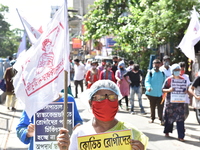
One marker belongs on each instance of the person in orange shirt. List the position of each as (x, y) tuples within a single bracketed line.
[(92, 75)]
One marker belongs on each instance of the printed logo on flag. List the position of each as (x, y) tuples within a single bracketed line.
[(46, 70)]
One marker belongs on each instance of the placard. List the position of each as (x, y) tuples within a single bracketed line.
[(116, 140), (48, 122), (178, 95)]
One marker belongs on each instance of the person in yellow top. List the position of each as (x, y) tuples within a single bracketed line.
[(103, 98)]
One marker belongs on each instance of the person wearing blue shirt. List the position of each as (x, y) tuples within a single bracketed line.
[(153, 84), (25, 128)]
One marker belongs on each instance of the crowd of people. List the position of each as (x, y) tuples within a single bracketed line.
[(157, 83), (106, 85)]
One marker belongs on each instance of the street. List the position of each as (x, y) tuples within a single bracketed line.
[(157, 140)]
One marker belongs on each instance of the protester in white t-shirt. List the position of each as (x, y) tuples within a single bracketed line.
[(186, 77), (79, 74), (166, 68)]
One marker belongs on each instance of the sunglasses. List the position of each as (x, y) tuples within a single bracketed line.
[(111, 97)]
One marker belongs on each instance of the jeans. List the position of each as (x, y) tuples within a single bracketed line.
[(136, 90)]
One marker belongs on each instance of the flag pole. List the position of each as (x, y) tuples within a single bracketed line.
[(65, 98), (65, 72), (23, 24)]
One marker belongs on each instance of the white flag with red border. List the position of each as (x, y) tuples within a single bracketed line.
[(41, 75)]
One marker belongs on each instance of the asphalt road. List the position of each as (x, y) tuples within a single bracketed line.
[(157, 140)]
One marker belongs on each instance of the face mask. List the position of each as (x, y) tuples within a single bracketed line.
[(115, 62), (121, 68), (156, 68), (176, 73), (182, 72), (105, 110), (131, 68), (94, 67), (109, 68), (166, 63), (103, 63)]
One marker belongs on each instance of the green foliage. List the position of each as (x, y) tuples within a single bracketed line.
[(138, 24), (9, 40)]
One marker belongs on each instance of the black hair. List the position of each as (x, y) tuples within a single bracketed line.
[(131, 62), (136, 67), (77, 60), (108, 65), (115, 57), (182, 64)]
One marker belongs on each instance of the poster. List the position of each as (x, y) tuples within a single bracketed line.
[(116, 140), (48, 122), (178, 95)]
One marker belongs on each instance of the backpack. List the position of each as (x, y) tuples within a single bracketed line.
[(2, 85)]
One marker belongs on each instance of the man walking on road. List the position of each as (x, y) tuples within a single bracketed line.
[(153, 84), (79, 73), (166, 68)]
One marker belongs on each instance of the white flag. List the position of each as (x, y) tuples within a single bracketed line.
[(191, 37), (41, 76), (22, 45), (32, 33)]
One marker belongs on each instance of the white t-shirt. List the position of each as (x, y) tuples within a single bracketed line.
[(79, 72), (186, 77), (167, 72)]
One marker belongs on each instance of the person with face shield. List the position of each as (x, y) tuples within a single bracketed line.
[(92, 75), (166, 68), (153, 84), (173, 111), (103, 98)]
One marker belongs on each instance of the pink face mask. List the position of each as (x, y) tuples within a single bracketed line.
[(109, 68)]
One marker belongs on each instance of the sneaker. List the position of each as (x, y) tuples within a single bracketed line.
[(13, 109), (142, 111), (133, 113)]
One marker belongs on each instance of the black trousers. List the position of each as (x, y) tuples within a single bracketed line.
[(76, 83), (126, 100), (180, 128), (155, 101)]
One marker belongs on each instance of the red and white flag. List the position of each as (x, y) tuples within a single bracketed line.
[(32, 33), (41, 75), (22, 45), (191, 37)]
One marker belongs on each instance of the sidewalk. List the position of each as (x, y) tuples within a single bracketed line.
[(8, 122)]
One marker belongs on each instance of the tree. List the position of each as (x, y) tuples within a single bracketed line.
[(9, 40), (139, 24)]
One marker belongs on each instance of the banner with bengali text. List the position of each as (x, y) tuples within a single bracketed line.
[(48, 122), (116, 140)]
